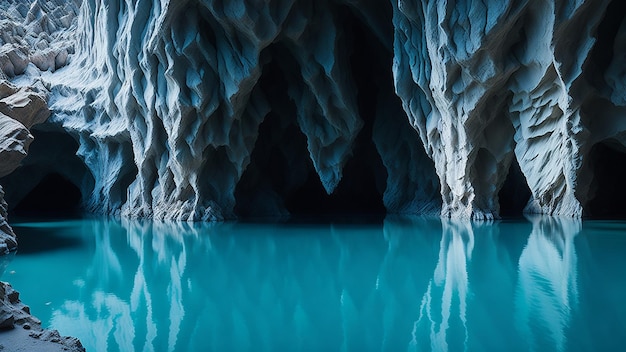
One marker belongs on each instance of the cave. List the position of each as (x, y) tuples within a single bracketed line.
[(281, 175), (52, 179), (53, 195), (360, 191), (356, 194), (515, 193), (608, 190)]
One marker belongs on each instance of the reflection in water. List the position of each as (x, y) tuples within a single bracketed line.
[(449, 281), (547, 290), (406, 284), (170, 286)]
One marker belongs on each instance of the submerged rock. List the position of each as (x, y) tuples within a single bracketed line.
[(166, 101)]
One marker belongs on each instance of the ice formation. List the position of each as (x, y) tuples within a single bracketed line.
[(203, 110)]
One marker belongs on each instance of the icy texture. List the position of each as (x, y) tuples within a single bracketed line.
[(166, 100), (170, 109), (477, 67), (20, 109), (35, 32)]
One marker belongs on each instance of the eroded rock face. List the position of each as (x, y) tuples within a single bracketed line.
[(15, 315), (35, 32), (486, 82), (166, 101), (7, 236), (167, 112), (20, 109)]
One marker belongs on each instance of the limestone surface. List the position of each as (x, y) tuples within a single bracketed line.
[(20, 109), (204, 110), (35, 32), (167, 112), (485, 82)]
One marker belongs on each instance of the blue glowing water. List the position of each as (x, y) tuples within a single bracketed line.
[(402, 284)]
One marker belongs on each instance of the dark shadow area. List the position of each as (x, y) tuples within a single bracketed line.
[(356, 194), (281, 178), (608, 188), (52, 177), (34, 240), (515, 193), (360, 191), (602, 52), (280, 161), (53, 195)]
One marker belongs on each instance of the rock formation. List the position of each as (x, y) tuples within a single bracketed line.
[(35, 32), (198, 110), (482, 82), (19, 328), (20, 109)]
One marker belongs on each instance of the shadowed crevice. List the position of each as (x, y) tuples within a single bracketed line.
[(515, 193), (52, 178), (608, 189), (54, 194)]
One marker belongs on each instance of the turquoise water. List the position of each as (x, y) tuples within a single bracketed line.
[(400, 284)]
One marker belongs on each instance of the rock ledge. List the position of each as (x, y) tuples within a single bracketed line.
[(20, 331)]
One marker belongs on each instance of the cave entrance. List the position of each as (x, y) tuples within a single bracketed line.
[(515, 193), (281, 175), (53, 195), (608, 189), (51, 180), (360, 191), (356, 195), (281, 178)]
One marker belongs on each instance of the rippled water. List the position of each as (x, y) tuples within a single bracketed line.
[(398, 285)]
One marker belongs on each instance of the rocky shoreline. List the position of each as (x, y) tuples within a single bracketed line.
[(20, 331), (20, 109)]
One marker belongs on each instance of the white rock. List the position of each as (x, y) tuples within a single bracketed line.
[(20, 109), (176, 110), (167, 112), (14, 142), (481, 80), (23, 104)]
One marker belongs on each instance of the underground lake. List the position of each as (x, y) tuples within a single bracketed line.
[(396, 284)]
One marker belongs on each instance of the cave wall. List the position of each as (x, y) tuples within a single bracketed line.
[(20, 110), (484, 82), (203, 110)]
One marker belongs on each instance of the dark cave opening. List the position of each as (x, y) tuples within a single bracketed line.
[(281, 174), (278, 160), (52, 178), (515, 193), (602, 52), (360, 191), (356, 194), (53, 195), (608, 190)]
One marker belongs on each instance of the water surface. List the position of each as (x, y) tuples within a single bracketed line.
[(401, 284)]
